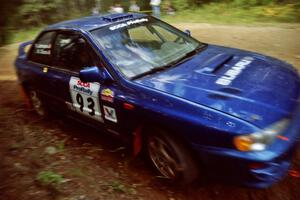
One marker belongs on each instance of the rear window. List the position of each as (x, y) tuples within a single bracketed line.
[(42, 49)]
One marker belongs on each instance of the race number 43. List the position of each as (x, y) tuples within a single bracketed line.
[(85, 98)]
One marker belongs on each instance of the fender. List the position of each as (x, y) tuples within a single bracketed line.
[(22, 48)]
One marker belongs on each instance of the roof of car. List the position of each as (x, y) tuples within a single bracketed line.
[(93, 22)]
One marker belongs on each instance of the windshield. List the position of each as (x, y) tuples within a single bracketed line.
[(143, 45)]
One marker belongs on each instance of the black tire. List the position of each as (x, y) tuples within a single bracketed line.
[(171, 158), (37, 103)]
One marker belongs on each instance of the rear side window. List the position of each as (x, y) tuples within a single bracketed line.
[(42, 49)]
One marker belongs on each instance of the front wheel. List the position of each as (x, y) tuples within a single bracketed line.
[(171, 158)]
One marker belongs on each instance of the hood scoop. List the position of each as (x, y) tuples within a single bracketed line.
[(231, 90), (225, 93), (214, 63)]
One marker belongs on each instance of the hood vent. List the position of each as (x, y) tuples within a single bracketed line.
[(218, 97), (117, 17), (214, 63), (230, 90), (223, 93)]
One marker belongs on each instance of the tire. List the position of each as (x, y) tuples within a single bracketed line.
[(171, 158), (37, 103)]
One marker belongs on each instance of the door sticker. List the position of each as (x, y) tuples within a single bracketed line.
[(110, 114), (85, 98), (107, 95)]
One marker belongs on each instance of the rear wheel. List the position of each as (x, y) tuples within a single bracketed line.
[(37, 103), (171, 158)]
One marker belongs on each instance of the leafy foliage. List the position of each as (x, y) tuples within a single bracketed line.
[(119, 187), (49, 178)]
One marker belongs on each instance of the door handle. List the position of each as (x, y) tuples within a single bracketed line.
[(45, 69)]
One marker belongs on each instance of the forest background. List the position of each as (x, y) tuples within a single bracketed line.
[(22, 19)]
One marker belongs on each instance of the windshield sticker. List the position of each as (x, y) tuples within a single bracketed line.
[(232, 73), (63, 42), (43, 49), (42, 46), (110, 114), (107, 95), (128, 23)]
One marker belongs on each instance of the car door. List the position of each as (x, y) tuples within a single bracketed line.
[(71, 53), (39, 60), (91, 102)]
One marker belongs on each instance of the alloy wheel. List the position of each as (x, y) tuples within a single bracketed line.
[(163, 157)]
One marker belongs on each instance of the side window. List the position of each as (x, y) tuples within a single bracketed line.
[(41, 50), (72, 52)]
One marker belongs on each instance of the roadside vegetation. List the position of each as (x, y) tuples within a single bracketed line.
[(22, 35), (239, 13), (22, 19)]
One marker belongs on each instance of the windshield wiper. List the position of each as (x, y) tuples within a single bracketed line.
[(190, 54), (171, 64), (153, 71)]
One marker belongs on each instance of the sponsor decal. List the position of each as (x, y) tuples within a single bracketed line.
[(83, 87), (110, 114), (232, 73), (86, 85), (128, 23), (43, 49), (42, 46), (63, 42), (107, 95)]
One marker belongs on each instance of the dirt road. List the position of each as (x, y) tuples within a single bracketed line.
[(281, 42), (93, 165)]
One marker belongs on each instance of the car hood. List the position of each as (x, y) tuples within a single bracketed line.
[(250, 86)]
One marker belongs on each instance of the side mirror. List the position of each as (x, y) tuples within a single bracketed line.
[(95, 74), (188, 32)]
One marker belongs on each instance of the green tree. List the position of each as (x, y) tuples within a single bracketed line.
[(8, 11)]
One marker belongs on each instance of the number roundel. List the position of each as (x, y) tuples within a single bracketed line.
[(91, 104), (85, 98)]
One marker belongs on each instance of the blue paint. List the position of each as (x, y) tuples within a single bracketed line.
[(187, 100)]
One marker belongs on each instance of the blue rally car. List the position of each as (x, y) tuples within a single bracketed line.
[(196, 109)]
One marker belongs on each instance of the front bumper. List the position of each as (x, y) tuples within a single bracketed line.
[(258, 169)]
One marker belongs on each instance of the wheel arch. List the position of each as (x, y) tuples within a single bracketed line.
[(185, 152), (142, 131)]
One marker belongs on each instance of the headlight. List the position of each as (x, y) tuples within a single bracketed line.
[(258, 141)]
